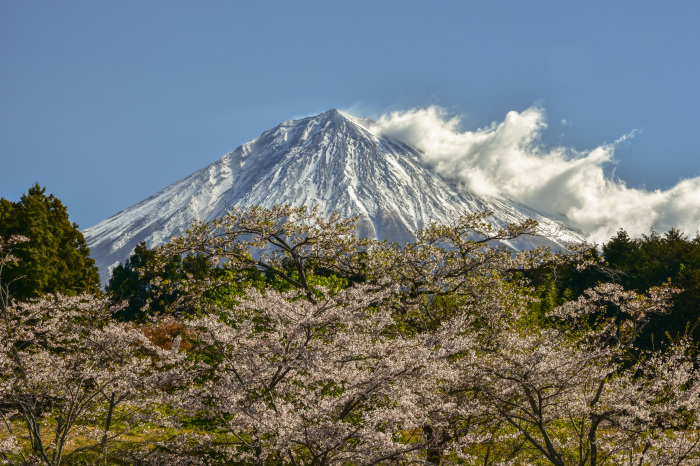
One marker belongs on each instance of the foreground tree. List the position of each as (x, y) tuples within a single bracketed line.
[(290, 247), (291, 381), (449, 269), (583, 394), (71, 380)]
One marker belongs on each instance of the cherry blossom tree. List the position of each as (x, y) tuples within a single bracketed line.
[(324, 382), (69, 374), (285, 243), (292, 244), (581, 393)]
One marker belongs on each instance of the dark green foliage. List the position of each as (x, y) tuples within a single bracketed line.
[(555, 285), (636, 264), (656, 260), (651, 260), (150, 282), (56, 258), (133, 283)]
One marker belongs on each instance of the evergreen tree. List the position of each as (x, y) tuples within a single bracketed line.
[(656, 260), (132, 282), (622, 253), (56, 259), (148, 282), (637, 264)]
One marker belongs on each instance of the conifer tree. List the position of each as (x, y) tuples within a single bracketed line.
[(132, 282), (56, 259)]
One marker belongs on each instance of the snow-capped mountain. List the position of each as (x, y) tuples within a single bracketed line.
[(331, 160)]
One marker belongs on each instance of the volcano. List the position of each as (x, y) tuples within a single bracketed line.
[(331, 160)]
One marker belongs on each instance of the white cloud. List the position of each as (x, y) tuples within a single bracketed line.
[(508, 159)]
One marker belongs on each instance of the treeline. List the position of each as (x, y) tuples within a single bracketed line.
[(670, 259), (275, 336)]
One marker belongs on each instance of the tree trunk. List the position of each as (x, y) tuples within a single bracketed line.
[(433, 453), (108, 424)]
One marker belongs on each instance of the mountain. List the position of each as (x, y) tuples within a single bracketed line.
[(331, 160)]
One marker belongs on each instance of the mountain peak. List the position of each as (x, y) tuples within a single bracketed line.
[(332, 113), (335, 115), (329, 120)]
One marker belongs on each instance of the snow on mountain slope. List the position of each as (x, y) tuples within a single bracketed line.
[(330, 160)]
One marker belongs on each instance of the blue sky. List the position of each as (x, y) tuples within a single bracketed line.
[(105, 103)]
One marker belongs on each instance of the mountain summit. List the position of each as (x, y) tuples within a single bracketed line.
[(331, 160)]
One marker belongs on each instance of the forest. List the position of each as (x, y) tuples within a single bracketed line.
[(276, 336)]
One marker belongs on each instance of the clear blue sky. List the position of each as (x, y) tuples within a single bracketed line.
[(105, 103)]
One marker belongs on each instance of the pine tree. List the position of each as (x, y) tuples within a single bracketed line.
[(56, 259)]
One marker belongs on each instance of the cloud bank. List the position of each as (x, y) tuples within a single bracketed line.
[(508, 159)]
